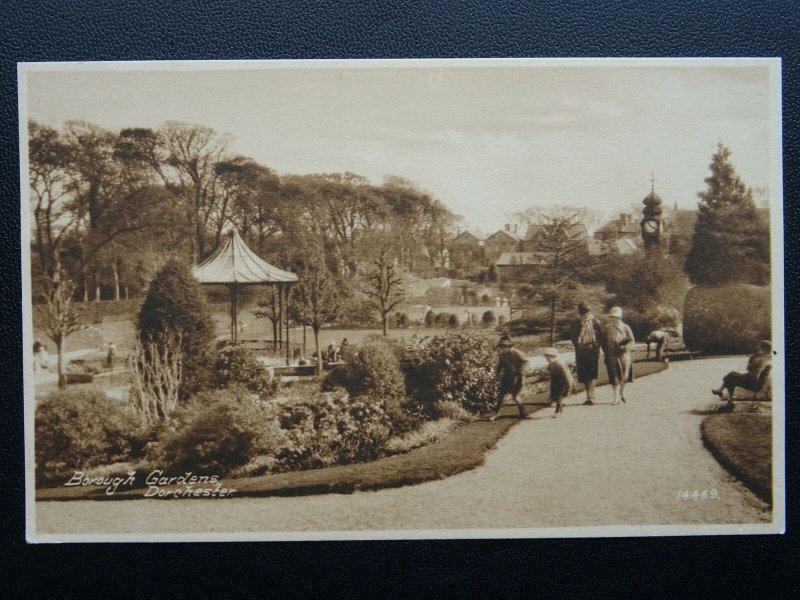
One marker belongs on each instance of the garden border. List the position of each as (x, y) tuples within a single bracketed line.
[(462, 450)]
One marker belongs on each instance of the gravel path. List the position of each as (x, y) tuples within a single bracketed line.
[(597, 465)]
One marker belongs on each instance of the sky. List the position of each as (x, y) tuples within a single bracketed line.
[(487, 139)]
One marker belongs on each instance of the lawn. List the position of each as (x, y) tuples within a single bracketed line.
[(742, 443)]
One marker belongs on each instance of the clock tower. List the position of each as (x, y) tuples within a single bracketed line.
[(652, 218)]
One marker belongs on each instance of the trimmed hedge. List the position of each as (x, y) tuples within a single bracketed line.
[(730, 318)]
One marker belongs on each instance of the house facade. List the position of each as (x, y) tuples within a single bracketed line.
[(624, 226), (505, 240), (467, 250), (520, 266)]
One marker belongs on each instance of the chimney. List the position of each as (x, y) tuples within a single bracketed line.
[(515, 229), (508, 227), (623, 218)]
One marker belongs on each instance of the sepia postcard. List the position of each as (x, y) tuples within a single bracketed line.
[(394, 299)]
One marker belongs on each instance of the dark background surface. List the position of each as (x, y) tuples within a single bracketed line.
[(70, 30)]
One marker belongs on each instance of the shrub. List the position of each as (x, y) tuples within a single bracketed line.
[(486, 298), (401, 320), (175, 306), (328, 428), (644, 320), (374, 369), (453, 321), (456, 367), (488, 319), (238, 365), (430, 318), (77, 429), (729, 318), (215, 433), (443, 319)]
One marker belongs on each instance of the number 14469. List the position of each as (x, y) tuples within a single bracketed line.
[(698, 494)]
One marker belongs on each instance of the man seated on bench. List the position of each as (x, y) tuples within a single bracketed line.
[(758, 369)]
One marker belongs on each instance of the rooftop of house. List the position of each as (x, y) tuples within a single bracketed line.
[(509, 259), (623, 224), (469, 234), (626, 245), (504, 233)]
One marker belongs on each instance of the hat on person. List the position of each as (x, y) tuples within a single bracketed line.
[(583, 308), (765, 346), (505, 342), (550, 352), (615, 311)]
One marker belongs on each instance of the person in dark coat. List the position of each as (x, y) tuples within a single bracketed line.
[(561, 382), (111, 353), (617, 341), (586, 334), (758, 366), (509, 373)]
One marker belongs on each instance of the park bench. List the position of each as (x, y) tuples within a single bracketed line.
[(79, 378), (305, 370), (763, 384)]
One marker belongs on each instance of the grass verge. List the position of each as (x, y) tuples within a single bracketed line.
[(742, 443), (461, 450)]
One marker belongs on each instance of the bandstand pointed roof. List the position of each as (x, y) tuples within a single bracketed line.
[(234, 262)]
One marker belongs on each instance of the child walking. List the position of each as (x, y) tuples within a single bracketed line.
[(561, 382)]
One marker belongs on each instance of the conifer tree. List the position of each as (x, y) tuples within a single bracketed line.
[(175, 306), (730, 241)]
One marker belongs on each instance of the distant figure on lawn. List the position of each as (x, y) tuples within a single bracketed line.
[(41, 360), (758, 369), (111, 353), (586, 335), (561, 382), (660, 338), (332, 353), (617, 339), (344, 350), (509, 372)]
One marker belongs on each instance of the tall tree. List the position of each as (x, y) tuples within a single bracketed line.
[(317, 297), (561, 244), (251, 197), (54, 214), (384, 288), (192, 153), (730, 241), (176, 308), (61, 318)]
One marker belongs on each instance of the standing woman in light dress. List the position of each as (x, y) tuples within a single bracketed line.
[(617, 341)]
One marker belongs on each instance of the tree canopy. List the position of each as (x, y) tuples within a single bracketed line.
[(730, 241), (114, 207)]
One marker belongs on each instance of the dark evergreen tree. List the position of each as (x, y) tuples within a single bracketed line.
[(731, 241), (176, 306)]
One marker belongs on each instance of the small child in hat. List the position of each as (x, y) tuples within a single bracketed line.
[(509, 373), (561, 382)]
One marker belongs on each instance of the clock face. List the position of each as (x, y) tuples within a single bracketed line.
[(651, 226)]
